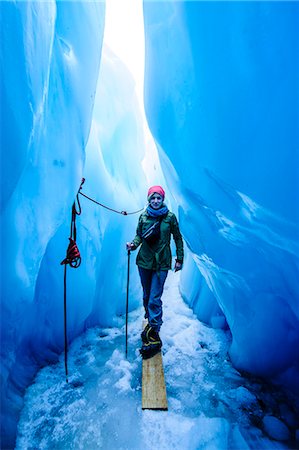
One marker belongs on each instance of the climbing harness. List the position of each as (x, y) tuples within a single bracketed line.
[(127, 301), (73, 258)]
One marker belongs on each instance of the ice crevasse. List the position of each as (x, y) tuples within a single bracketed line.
[(221, 98)]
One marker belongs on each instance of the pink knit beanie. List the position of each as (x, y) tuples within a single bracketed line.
[(155, 190)]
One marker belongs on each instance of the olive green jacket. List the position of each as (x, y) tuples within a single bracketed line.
[(158, 256)]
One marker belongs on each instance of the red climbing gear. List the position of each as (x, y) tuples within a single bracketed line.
[(73, 257)]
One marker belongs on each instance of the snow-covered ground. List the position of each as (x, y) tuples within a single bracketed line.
[(211, 406)]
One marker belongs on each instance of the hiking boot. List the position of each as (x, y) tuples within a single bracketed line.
[(149, 350), (144, 337), (150, 336), (152, 343), (153, 337)]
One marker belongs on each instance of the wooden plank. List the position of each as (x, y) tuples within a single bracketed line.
[(153, 383)]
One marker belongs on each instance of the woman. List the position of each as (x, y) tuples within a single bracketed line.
[(154, 230)]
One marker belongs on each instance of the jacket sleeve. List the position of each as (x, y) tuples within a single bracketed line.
[(137, 239), (178, 240)]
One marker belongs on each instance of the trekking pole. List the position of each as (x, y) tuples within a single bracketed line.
[(127, 302)]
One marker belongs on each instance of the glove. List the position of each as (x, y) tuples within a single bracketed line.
[(178, 266), (130, 246)]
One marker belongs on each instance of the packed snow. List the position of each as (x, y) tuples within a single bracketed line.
[(211, 406)]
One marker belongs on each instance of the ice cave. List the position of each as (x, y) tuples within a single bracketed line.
[(213, 118)]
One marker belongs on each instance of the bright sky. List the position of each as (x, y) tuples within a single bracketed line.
[(124, 35)]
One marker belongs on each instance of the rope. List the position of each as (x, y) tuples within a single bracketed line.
[(124, 213)]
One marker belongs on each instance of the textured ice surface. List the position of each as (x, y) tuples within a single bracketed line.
[(49, 70)]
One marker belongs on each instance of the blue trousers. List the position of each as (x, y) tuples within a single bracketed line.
[(153, 284)]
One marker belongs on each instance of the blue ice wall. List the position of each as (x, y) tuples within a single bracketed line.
[(222, 101), (50, 55)]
